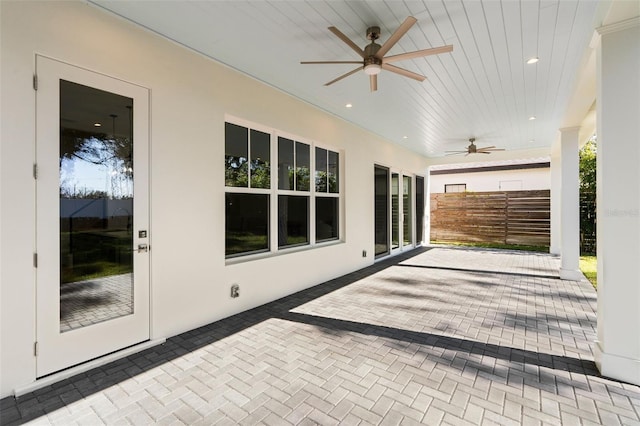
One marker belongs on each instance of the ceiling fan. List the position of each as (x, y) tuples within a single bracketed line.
[(473, 149), (373, 59)]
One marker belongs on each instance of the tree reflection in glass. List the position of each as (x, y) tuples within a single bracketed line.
[(96, 205), (236, 155)]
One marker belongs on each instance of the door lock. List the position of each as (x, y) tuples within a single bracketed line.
[(143, 248)]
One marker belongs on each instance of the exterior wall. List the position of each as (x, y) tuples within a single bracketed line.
[(190, 96), (503, 180)]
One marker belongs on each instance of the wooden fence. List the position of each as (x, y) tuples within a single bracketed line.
[(508, 217)]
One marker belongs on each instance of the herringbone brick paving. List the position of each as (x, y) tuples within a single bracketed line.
[(445, 336)]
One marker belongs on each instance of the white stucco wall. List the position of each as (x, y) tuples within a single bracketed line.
[(499, 180), (190, 96)]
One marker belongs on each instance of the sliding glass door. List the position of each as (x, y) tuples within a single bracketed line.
[(395, 211), (381, 211)]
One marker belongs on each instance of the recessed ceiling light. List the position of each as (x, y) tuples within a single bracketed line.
[(97, 125), (348, 106), (532, 60), (405, 137), (532, 140), (533, 117)]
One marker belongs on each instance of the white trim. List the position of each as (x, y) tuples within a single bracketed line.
[(617, 367), (69, 372), (619, 26), (284, 251), (571, 274)]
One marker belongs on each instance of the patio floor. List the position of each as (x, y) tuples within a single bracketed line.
[(436, 336)]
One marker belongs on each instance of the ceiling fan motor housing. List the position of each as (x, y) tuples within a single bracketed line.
[(373, 33), (472, 148)]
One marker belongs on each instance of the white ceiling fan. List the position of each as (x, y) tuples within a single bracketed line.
[(373, 56), (473, 149)]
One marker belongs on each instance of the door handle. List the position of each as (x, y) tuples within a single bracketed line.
[(143, 248)]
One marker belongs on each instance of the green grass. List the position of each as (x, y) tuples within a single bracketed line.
[(588, 266), (543, 249), (95, 253)]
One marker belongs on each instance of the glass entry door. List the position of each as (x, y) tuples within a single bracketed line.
[(92, 215)]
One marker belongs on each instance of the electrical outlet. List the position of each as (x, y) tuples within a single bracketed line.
[(364, 253)]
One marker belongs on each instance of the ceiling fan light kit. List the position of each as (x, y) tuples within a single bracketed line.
[(372, 69), (373, 55)]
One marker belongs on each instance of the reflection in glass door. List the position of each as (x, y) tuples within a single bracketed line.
[(96, 205), (407, 228), (395, 211), (381, 210), (420, 200)]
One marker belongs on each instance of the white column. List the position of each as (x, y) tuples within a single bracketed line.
[(556, 201), (427, 207), (617, 351), (570, 205)]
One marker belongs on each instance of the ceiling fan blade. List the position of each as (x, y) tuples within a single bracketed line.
[(418, 53), (402, 29), (347, 40), (343, 76), (403, 72), (486, 147), (457, 152), (491, 150), (331, 62), (373, 82)]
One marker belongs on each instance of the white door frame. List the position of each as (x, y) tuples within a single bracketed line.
[(56, 350)]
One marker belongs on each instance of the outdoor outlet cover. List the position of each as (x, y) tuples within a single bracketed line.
[(235, 290), (364, 253)]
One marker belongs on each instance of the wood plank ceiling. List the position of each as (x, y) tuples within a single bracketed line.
[(484, 88)]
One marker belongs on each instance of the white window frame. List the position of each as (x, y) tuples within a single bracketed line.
[(327, 194), (274, 192)]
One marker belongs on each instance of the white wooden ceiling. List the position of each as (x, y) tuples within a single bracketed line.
[(484, 88)]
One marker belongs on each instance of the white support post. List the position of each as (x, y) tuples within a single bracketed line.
[(427, 207), (617, 352), (570, 205), (556, 201)]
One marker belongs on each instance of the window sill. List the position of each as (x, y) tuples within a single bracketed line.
[(281, 252)]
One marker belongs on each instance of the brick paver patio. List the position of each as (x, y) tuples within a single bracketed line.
[(436, 336), (96, 300)]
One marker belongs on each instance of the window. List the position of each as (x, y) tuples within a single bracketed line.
[(246, 223), (303, 192), (248, 172), (327, 191), (455, 187), (293, 165), (293, 220), (294, 173), (326, 218), (247, 157)]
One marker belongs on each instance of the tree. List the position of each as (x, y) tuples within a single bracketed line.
[(588, 166), (587, 174)]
